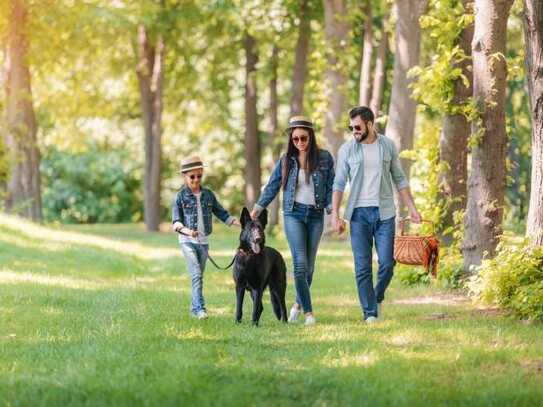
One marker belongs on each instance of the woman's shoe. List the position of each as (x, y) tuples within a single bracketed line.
[(310, 320)]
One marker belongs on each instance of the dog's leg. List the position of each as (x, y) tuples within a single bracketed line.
[(240, 293), (274, 298), (257, 306)]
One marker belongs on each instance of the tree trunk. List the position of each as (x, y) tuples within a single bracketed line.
[(252, 141), (453, 144), (367, 52), (379, 73), (23, 195), (403, 108), (275, 143), (150, 76), (533, 34), (300, 62), (336, 30), (486, 182)]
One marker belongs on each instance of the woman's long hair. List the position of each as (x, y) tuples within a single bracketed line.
[(312, 156)]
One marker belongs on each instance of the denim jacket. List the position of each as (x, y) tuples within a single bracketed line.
[(185, 210), (350, 169), (323, 179)]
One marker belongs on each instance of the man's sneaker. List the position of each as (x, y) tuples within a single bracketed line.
[(200, 314), (294, 314), (310, 320), (380, 310), (371, 320)]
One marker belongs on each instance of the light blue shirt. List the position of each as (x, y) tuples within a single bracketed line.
[(350, 169)]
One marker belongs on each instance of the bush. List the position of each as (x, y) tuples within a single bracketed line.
[(412, 275), (92, 186), (512, 280)]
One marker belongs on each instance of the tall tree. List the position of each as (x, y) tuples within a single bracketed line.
[(336, 30), (379, 71), (23, 185), (403, 108), (456, 129), (533, 33), (252, 140), (150, 72), (274, 129), (301, 51), (367, 53), (486, 182)]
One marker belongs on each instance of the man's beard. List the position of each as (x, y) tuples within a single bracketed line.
[(361, 137)]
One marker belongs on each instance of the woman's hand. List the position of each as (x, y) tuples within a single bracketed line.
[(254, 214)]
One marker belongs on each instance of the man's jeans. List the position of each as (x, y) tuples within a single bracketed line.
[(196, 256), (365, 227), (303, 227)]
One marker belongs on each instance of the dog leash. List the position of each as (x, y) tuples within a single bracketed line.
[(214, 262)]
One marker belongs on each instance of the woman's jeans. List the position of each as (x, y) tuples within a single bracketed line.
[(303, 227), (365, 228), (196, 256)]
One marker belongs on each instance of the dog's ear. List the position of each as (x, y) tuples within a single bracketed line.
[(263, 218), (245, 216)]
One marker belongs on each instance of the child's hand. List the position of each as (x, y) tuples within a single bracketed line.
[(236, 222), (194, 233), (177, 226)]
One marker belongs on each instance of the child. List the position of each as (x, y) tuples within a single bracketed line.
[(191, 218)]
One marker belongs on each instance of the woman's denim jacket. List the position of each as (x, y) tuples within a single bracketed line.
[(185, 210), (323, 180)]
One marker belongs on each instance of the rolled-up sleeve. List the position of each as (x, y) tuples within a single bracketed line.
[(342, 171), (396, 170)]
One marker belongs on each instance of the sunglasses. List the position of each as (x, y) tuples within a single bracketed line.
[(357, 128), (199, 176), (297, 139)]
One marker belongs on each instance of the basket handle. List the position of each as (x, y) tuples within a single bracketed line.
[(408, 219)]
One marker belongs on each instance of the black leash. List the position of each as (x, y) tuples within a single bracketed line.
[(213, 261)]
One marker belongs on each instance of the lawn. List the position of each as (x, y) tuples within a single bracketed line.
[(98, 315)]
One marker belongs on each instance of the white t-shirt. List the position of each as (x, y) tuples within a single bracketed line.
[(371, 183), (202, 238), (305, 193)]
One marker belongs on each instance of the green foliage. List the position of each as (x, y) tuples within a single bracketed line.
[(411, 275), (91, 186), (512, 280), (451, 273)]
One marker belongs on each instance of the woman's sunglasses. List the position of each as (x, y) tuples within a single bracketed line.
[(193, 177), (297, 139)]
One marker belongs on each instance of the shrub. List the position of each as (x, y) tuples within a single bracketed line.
[(92, 186), (512, 280)]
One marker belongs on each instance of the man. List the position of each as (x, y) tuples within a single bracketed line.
[(370, 163)]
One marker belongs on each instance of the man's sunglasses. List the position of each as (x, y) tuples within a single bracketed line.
[(297, 139), (357, 128), (198, 176)]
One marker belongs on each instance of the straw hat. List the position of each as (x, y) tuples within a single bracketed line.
[(191, 163), (300, 121)]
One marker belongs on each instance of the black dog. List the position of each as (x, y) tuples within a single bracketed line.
[(257, 266)]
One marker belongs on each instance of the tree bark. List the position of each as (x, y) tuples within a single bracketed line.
[(150, 74), (453, 144), (275, 144), (403, 108), (252, 141), (533, 34), (300, 61), (486, 182), (367, 53), (23, 195), (379, 73), (336, 30)]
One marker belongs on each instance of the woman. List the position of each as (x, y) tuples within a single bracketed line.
[(306, 174), (191, 218)]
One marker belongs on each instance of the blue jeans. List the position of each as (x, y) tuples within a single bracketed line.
[(196, 256), (303, 227), (365, 228)]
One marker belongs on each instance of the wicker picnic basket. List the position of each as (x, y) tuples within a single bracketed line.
[(420, 250)]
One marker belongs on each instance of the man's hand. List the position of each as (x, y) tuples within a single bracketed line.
[(415, 216), (338, 224)]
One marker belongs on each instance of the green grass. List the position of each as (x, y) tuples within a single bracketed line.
[(99, 315)]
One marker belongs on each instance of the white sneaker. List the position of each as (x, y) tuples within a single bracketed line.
[(294, 313), (200, 315), (371, 320), (310, 320)]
